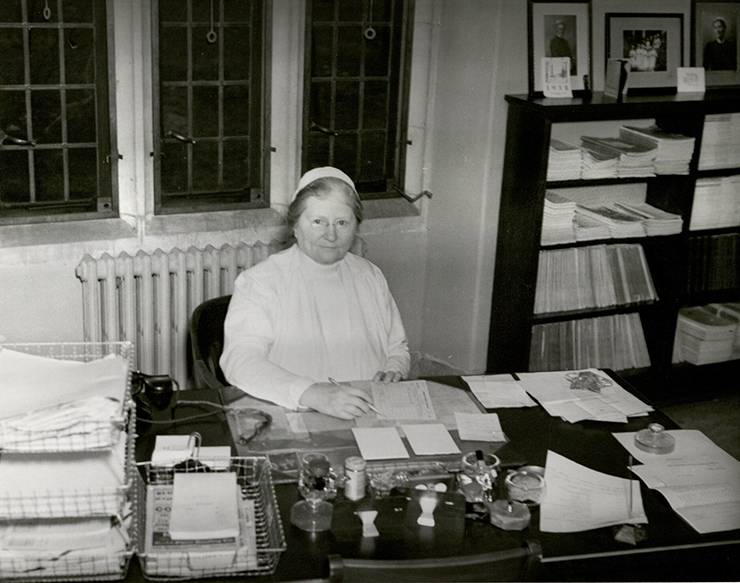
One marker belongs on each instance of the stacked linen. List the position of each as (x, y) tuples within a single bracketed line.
[(673, 151), (656, 221), (633, 160), (557, 219), (564, 162)]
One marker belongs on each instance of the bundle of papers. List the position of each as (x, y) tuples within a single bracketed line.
[(619, 223), (588, 229), (60, 486), (656, 221), (703, 337), (598, 164), (720, 144), (498, 390), (64, 547), (673, 151), (553, 391), (578, 498), (698, 479), (632, 159), (557, 219), (716, 203), (564, 162), (60, 405)]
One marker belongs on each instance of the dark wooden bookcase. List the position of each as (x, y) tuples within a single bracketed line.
[(529, 125)]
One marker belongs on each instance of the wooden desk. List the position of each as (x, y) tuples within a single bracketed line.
[(672, 552)]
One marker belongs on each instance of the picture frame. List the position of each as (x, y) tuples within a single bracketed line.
[(557, 29), (651, 42), (721, 60)]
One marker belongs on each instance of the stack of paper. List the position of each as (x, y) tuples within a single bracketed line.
[(703, 337), (564, 162), (699, 479), (578, 498), (729, 311), (502, 390), (620, 224), (632, 159), (588, 229), (674, 151), (656, 221), (598, 164), (720, 144), (553, 391), (557, 219), (716, 203)]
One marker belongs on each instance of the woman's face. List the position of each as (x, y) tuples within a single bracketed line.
[(326, 229)]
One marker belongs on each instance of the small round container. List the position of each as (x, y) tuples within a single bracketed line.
[(477, 479), (355, 478), (525, 486), (655, 439)]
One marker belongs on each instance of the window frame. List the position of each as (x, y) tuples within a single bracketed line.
[(107, 194), (395, 184), (216, 202)]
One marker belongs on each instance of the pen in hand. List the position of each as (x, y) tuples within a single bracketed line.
[(369, 404)]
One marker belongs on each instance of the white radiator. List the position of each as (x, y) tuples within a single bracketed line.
[(149, 298)]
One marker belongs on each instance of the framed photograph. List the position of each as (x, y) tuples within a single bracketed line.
[(559, 29), (714, 42), (652, 43)]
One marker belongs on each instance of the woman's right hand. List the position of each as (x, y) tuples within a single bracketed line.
[(341, 401)]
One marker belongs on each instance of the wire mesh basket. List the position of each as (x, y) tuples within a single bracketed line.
[(163, 559), (98, 431)]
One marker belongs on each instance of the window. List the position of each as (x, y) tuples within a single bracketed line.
[(55, 149), (356, 90), (209, 136)]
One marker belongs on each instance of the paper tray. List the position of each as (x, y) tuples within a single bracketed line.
[(95, 436), (255, 480)]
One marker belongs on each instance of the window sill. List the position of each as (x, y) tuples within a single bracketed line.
[(256, 219), (390, 214), (65, 232)]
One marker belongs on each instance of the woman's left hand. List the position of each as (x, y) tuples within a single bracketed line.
[(387, 376)]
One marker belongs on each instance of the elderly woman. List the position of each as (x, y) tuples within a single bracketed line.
[(315, 313)]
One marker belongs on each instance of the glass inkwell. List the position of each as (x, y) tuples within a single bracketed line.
[(317, 485), (655, 439)]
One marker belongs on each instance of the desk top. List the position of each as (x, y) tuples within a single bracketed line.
[(672, 551)]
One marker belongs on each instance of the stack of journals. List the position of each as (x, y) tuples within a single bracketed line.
[(564, 162), (656, 221), (620, 223), (615, 342), (632, 159), (598, 164), (673, 153), (712, 262), (593, 276), (716, 203), (557, 219), (720, 144), (588, 229), (703, 337)]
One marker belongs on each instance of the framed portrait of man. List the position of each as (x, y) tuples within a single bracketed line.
[(559, 30), (715, 41)]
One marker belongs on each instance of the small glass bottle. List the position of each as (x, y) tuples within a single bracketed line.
[(654, 439), (355, 478)]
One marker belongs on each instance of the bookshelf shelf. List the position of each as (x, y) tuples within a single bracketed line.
[(529, 129)]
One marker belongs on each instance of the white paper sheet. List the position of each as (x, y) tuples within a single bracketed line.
[(31, 382), (578, 498), (429, 439), (379, 443), (204, 506), (479, 427), (498, 390), (699, 480), (611, 403), (405, 400)]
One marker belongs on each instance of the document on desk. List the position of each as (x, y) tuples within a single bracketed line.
[(204, 506), (379, 443), (31, 382), (699, 480), (404, 400), (610, 403), (430, 439), (480, 427), (498, 390), (578, 498)]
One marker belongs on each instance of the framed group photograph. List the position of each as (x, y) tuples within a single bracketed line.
[(715, 41), (652, 44), (559, 30)]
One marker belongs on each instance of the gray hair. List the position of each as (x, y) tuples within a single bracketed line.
[(322, 188)]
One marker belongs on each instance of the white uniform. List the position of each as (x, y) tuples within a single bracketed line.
[(293, 322)]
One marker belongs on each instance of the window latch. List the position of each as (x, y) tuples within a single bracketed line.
[(322, 129), (180, 137), (17, 141), (412, 197)]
